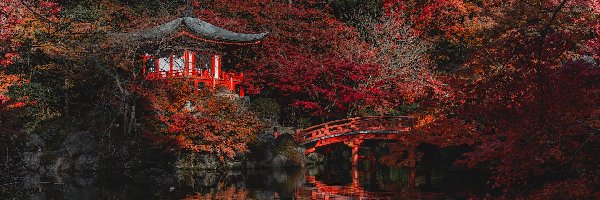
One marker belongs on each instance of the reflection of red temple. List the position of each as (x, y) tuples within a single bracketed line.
[(193, 49)]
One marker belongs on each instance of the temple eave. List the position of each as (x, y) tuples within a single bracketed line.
[(196, 29), (204, 39)]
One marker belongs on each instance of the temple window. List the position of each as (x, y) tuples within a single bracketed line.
[(178, 62), (164, 64), (202, 62), (150, 65)]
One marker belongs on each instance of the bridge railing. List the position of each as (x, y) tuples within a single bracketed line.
[(400, 123)]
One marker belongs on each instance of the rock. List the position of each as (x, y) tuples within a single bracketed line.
[(250, 165), (234, 164), (79, 143), (79, 152), (287, 130), (32, 160), (266, 137), (85, 162), (208, 178), (264, 160), (194, 161), (315, 159), (279, 161), (59, 166), (84, 179), (34, 141), (280, 176)]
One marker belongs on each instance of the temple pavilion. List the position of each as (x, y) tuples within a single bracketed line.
[(193, 49)]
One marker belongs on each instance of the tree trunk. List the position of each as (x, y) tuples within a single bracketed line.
[(66, 97), (125, 110), (411, 165), (131, 120)]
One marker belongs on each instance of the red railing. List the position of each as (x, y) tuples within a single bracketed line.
[(352, 125), (226, 79)]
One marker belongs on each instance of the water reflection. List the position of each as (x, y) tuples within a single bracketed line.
[(344, 182), (323, 182), (316, 189)]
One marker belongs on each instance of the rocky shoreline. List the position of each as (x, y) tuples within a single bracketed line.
[(82, 152)]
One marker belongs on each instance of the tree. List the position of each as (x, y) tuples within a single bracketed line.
[(533, 97), (525, 99), (342, 75), (198, 121)]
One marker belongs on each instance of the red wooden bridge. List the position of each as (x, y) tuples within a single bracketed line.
[(353, 132)]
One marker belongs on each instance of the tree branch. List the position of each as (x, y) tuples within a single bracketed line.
[(36, 14), (554, 15)]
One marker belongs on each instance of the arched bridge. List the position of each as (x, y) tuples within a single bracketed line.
[(352, 132)]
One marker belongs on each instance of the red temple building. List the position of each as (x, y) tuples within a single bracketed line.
[(193, 49)]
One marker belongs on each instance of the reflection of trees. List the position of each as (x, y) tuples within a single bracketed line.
[(207, 184), (248, 184), (195, 179)]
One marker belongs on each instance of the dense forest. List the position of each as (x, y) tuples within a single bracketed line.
[(515, 85)]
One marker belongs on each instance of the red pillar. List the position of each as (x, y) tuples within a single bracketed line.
[(355, 180), (355, 155), (157, 68), (216, 65), (216, 68), (241, 88), (193, 63), (171, 65), (230, 85), (355, 145), (187, 61), (219, 66), (144, 65)]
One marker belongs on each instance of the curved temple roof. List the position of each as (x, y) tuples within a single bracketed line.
[(196, 27)]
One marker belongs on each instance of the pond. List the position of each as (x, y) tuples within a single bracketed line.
[(322, 182)]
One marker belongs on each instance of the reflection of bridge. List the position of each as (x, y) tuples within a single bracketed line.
[(321, 190), (315, 189), (352, 132)]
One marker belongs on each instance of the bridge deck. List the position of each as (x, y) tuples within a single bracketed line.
[(361, 128)]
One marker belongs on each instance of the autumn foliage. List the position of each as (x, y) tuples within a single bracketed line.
[(526, 97), (535, 99), (198, 121), (516, 83)]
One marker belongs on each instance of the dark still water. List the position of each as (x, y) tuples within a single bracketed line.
[(323, 182)]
